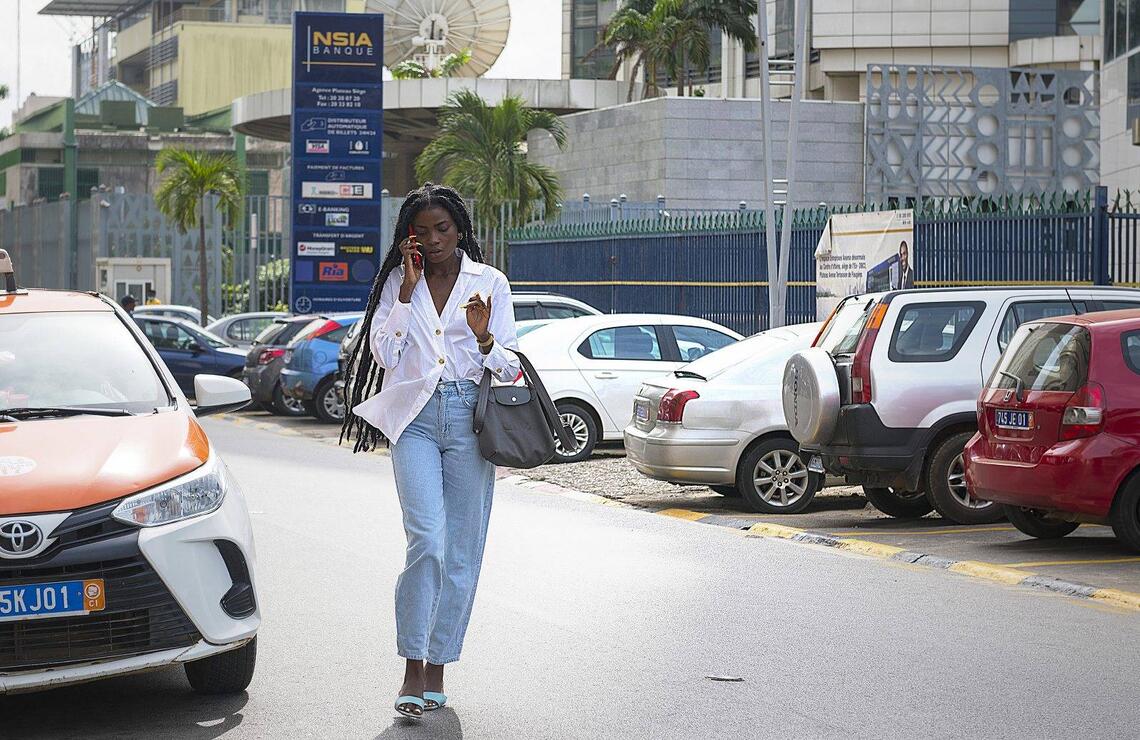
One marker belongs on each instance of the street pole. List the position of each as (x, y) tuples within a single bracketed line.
[(766, 133), (780, 284)]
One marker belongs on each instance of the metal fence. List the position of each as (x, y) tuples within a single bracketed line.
[(713, 265)]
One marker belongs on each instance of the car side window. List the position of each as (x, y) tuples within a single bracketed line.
[(933, 332), (247, 329), (336, 335), (1025, 311), (524, 312), (622, 343), (561, 312), (698, 341), (1119, 305), (1130, 344)]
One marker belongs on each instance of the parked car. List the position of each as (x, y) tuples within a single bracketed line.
[(125, 542), (522, 328), (346, 346), (892, 405), (171, 311), (188, 350), (529, 306), (592, 366), (242, 328), (263, 363), (719, 421), (309, 372), (1058, 441)]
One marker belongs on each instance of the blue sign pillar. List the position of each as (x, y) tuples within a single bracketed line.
[(338, 89)]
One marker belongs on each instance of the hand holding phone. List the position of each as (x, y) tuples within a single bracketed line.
[(417, 258)]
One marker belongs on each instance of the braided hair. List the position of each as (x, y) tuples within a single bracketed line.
[(365, 377)]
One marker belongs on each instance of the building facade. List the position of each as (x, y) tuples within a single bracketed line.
[(1120, 95)]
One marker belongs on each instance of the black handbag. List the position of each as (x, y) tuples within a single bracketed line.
[(516, 425)]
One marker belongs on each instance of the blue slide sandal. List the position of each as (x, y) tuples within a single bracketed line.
[(434, 700), (403, 702)]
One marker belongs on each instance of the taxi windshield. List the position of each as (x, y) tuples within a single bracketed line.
[(78, 359)]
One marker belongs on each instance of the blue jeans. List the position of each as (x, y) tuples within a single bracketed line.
[(445, 488)]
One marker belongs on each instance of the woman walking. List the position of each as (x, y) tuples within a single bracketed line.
[(437, 318)]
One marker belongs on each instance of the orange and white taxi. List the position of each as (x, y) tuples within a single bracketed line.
[(125, 543)]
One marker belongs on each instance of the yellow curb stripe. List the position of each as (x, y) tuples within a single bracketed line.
[(692, 516), (764, 529), (889, 532), (1116, 597), (873, 549), (989, 571), (1092, 561)]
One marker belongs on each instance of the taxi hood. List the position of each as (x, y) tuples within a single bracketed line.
[(63, 464)]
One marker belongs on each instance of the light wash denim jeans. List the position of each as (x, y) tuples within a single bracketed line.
[(445, 488)]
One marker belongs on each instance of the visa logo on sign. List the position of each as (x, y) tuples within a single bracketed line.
[(333, 272), (317, 146)]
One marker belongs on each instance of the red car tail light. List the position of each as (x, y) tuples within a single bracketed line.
[(861, 362), (672, 406), (1084, 413), (269, 355)]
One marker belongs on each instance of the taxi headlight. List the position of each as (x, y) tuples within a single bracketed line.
[(194, 494)]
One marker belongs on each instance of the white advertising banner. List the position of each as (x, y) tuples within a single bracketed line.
[(863, 253)]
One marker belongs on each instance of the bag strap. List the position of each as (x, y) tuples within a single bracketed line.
[(552, 416), (534, 383)]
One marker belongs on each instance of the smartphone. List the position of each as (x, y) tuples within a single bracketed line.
[(417, 258)]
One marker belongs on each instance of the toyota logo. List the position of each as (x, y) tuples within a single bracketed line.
[(19, 537)]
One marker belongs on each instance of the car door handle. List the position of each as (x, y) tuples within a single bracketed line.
[(606, 375)]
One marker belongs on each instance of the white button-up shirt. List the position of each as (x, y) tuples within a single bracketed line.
[(418, 347)]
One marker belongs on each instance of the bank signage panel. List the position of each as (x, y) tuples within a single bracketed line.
[(338, 89)]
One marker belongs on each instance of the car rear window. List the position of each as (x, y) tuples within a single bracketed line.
[(1130, 344), (622, 343), (932, 332), (269, 333), (841, 335), (1045, 357)]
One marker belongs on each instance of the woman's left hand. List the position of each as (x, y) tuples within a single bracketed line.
[(479, 316)]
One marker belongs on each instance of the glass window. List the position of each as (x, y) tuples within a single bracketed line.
[(1133, 24), (1121, 27), (697, 341), (271, 332), (246, 329), (1109, 29), (75, 359), (1045, 357), (165, 335), (1021, 313), (1130, 344), (757, 360), (1119, 305), (622, 343), (526, 312), (841, 334), (1133, 87), (563, 312), (932, 332), (336, 335)]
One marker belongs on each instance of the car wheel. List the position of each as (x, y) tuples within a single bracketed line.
[(284, 405), (946, 484), (328, 406), (1037, 524), (729, 491), (1125, 515), (899, 504), (774, 479), (582, 427), (226, 673)]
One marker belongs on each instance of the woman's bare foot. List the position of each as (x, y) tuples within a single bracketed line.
[(433, 681), (413, 686)]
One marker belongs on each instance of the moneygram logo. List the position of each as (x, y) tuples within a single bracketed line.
[(333, 272), (316, 249)]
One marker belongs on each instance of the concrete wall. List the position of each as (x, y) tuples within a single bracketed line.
[(704, 153), (1120, 160), (218, 62)]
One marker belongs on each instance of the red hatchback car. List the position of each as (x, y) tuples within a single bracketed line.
[(1059, 427)]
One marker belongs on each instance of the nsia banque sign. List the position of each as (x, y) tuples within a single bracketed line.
[(337, 143)]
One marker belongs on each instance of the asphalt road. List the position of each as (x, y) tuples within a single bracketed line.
[(597, 622)]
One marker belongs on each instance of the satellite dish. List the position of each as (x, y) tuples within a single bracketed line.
[(412, 25)]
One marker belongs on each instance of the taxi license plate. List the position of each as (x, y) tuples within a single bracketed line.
[(59, 599), (641, 411), (1007, 419)]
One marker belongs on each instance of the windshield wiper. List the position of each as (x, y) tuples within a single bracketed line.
[(689, 374), (34, 412)]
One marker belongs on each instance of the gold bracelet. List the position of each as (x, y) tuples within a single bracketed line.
[(490, 341)]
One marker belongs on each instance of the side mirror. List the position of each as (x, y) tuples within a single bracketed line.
[(195, 348), (217, 394)]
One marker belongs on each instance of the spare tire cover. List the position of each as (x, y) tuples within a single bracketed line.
[(811, 396)]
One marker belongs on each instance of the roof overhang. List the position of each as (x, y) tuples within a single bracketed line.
[(97, 8), (410, 106)]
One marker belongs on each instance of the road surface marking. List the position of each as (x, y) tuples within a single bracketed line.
[(1038, 563)]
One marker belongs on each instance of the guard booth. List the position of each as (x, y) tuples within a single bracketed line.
[(120, 276)]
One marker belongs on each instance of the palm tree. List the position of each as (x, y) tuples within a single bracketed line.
[(481, 152), (733, 17), (181, 197), (410, 69), (638, 34)]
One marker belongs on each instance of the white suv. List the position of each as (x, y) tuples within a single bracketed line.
[(892, 404)]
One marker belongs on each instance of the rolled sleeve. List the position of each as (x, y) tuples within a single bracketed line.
[(501, 361), (387, 339)]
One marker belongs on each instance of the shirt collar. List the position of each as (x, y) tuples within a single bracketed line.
[(468, 265)]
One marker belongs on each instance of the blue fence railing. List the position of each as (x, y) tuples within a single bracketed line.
[(715, 265)]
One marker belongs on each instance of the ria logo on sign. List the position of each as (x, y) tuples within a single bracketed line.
[(333, 272)]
